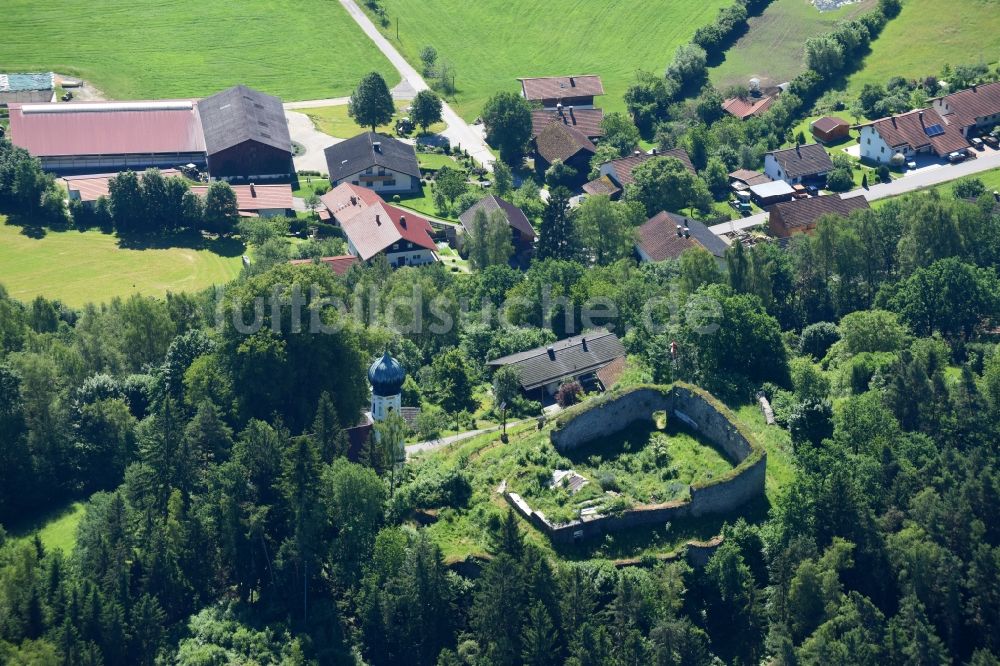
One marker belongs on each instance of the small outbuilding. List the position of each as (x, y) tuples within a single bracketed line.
[(522, 233), (768, 194), (830, 129), (801, 215)]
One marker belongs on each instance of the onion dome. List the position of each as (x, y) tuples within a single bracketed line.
[(386, 376)]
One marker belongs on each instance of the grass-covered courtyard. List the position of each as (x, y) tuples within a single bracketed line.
[(335, 121), (186, 48), (645, 464), (493, 42), (82, 267)]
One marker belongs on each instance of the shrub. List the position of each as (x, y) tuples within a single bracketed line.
[(811, 421), (395, 198), (884, 175), (840, 180), (972, 188), (817, 339), (569, 393), (607, 481)]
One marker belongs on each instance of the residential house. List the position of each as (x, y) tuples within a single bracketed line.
[(795, 165), (576, 91), (971, 109), (801, 215), (922, 131), (522, 233), (258, 200), (246, 135), (27, 88), (830, 129), (747, 107), (587, 120), (380, 163), (616, 174), (566, 144), (542, 370), (373, 227), (668, 235)]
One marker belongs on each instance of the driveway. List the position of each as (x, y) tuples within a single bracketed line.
[(434, 444), (461, 134), (314, 142)]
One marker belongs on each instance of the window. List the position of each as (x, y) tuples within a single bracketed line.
[(390, 183), (354, 182), (395, 246), (881, 150), (368, 171), (869, 141)]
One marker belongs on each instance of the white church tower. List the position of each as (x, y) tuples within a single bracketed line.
[(386, 376)]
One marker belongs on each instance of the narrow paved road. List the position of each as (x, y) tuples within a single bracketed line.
[(434, 444), (460, 133), (928, 176)]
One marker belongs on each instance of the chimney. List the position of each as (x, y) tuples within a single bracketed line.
[(920, 114), (894, 121), (974, 86), (253, 191), (637, 153), (583, 341), (377, 146), (996, 195), (552, 353), (354, 200), (571, 115), (378, 220), (572, 82), (402, 221), (687, 232), (559, 108), (656, 151), (679, 233)]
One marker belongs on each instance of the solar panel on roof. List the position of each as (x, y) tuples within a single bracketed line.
[(934, 130)]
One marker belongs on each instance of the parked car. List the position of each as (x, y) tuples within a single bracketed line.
[(956, 157), (992, 141), (977, 144)]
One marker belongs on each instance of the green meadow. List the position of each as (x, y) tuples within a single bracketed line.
[(493, 42), (187, 48), (82, 267)]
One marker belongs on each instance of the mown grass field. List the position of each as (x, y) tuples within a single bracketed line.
[(772, 49), (335, 121), (81, 267), (187, 48), (493, 42), (928, 34)]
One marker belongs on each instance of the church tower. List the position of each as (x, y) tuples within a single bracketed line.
[(386, 376)]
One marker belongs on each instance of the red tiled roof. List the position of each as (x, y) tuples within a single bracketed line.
[(749, 177), (744, 108), (561, 87), (339, 265), (256, 197), (93, 187), (587, 121), (377, 227), (107, 128), (908, 129), (346, 200), (611, 373), (799, 215), (829, 123), (965, 106)]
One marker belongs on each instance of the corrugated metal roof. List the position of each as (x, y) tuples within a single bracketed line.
[(101, 128), (23, 82)]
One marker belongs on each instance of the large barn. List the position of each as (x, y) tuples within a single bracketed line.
[(246, 135), (237, 134)]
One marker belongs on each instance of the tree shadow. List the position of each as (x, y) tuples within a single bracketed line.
[(222, 246)]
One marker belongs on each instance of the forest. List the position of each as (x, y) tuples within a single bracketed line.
[(226, 524)]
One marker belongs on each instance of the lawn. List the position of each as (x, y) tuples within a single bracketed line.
[(56, 529), (187, 48), (527, 461), (81, 267), (493, 42), (991, 179), (772, 49), (928, 34), (334, 121)]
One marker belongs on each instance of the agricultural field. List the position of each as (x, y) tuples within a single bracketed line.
[(772, 49), (527, 461), (82, 267), (929, 34), (186, 48), (493, 42)]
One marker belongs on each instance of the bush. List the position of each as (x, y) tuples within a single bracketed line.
[(972, 188), (884, 175), (433, 487), (817, 339), (569, 393), (811, 421), (840, 180)]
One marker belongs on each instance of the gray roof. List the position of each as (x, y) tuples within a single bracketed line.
[(567, 358), (25, 82), (358, 153), (807, 160), (515, 216), (242, 114)]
